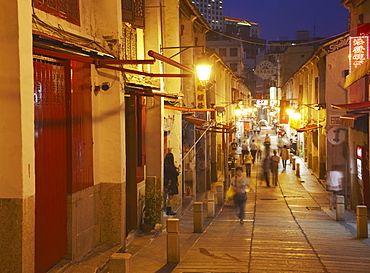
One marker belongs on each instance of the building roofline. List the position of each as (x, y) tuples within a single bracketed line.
[(234, 19), (316, 54)]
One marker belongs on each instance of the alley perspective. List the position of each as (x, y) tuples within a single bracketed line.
[(288, 228), (184, 136)]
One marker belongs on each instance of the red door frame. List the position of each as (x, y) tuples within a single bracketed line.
[(50, 162), (64, 162)]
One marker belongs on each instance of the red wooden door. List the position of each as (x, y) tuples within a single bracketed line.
[(50, 161), (79, 128)]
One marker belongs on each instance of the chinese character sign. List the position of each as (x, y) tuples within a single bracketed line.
[(358, 51), (201, 96)]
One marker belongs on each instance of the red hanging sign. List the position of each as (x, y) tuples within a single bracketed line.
[(358, 51)]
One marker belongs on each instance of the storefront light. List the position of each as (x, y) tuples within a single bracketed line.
[(245, 112), (296, 115), (238, 111), (289, 111)]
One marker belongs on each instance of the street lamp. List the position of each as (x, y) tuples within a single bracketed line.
[(204, 68)]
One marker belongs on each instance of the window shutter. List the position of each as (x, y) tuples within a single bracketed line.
[(66, 9), (133, 12)]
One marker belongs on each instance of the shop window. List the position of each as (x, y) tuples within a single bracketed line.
[(66, 9), (133, 12)]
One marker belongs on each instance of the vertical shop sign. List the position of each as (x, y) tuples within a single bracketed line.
[(358, 51), (362, 154), (201, 96), (247, 126), (284, 117)]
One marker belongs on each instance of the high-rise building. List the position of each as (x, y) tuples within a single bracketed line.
[(212, 11)]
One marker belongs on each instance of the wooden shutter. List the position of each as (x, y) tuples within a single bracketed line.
[(133, 12), (68, 10)]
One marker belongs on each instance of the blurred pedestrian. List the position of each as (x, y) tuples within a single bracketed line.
[(284, 155), (248, 163), (170, 181), (334, 184), (267, 138), (275, 159), (240, 184), (294, 140), (234, 145), (244, 149), (259, 150), (266, 166), (253, 148)]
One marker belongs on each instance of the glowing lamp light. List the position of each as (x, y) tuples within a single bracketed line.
[(204, 68), (296, 115), (238, 111), (245, 112), (289, 111)]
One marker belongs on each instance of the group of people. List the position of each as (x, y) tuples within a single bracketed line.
[(270, 164)]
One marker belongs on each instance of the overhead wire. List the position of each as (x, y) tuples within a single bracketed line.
[(286, 44)]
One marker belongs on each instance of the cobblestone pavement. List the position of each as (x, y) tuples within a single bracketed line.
[(288, 228)]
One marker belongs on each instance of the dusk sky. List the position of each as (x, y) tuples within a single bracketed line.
[(283, 17)]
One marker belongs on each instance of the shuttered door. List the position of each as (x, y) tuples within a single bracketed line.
[(79, 130), (50, 161)]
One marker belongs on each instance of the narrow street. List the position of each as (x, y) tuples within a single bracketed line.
[(287, 229)]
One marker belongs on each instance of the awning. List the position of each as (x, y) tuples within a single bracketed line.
[(309, 127), (358, 106), (357, 74), (350, 118), (184, 109), (196, 121)]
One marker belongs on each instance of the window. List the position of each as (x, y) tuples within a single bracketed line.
[(233, 52), (66, 9), (234, 67), (133, 12), (222, 52)]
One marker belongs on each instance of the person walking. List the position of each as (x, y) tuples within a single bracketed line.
[(170, 181), (253, 148), (334, 185), (284, 155), (248, 163), (275, 159), (266, 166), (240, 184), (244, 149), (234, 145)]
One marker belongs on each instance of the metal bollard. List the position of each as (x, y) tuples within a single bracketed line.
[(210, 205), (120, 263), (340, 208), (173, 241), (293, 164), (220, 195), (362, 226), (198, 217), (297, 173)]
